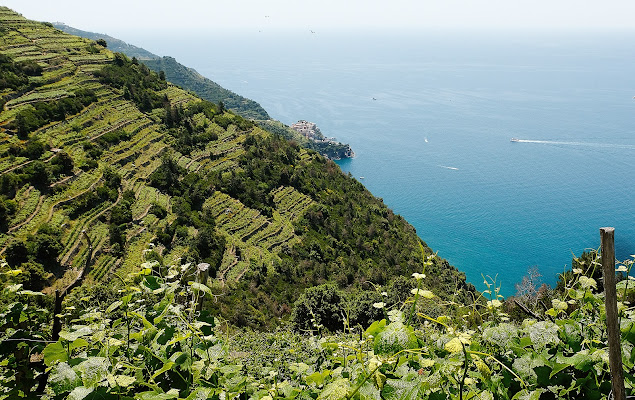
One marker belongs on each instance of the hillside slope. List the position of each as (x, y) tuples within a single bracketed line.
[(187, 78), (114, 44), (190, 79), (207, 89), (104, 165)]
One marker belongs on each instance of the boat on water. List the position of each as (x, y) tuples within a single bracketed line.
[(361, 177), (515, 140)]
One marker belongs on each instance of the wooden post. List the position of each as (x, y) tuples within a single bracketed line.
[(612, 324), (57, 310), (89, 253), (202, 273)]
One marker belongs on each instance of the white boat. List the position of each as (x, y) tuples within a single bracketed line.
[(515, 140)]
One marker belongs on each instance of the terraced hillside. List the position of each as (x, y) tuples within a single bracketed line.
[(104, 165), (187, 78)]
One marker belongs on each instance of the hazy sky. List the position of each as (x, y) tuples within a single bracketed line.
[(120, 16)]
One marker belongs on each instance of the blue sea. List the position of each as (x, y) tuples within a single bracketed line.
[(430, 116)]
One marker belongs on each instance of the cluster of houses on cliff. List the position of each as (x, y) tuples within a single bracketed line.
[(310, 131), (328, 147)]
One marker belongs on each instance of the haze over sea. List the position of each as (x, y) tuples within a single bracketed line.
[(430, 117)]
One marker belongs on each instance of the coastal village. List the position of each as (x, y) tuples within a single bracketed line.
[(311, 132)]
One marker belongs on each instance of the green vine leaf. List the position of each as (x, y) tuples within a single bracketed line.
[(151, 283), (557, 368), (394, 338), (180, 338), (124, 380), (199, 287), (93, 370), (172, 394), (158, 319), (166, 367), (54, 353), (63, 378), (80, 393), (30, 293), (454, 346), (528, 395), (369, 391), (77, 343), (335, 390), (317, 378), (146, 323), (401, 389), (113, 306), (200, 393), (76, 334)]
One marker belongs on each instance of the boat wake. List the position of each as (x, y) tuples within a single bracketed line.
[(586, 144)]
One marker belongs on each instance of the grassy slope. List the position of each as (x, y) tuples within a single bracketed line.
[(288, 218)]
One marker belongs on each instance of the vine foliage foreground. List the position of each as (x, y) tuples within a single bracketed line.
[(153, 342)]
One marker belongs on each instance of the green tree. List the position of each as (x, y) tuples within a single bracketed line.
[(33, 276), (9, 183), (317, 307), (37, 173), (27, 121), (111, 178), (7, 209), (34, 149), (17, 253), (210, 247), (46, 246), (63, 163), (120, 214)]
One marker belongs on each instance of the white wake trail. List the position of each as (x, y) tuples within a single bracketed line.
[(586, 144)]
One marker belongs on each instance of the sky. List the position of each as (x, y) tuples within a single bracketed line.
[(118, 17)]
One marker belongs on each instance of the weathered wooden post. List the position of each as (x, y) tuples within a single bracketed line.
[(57, 310), (202, 273), (612, 324), (55, 336), (89, 253)]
